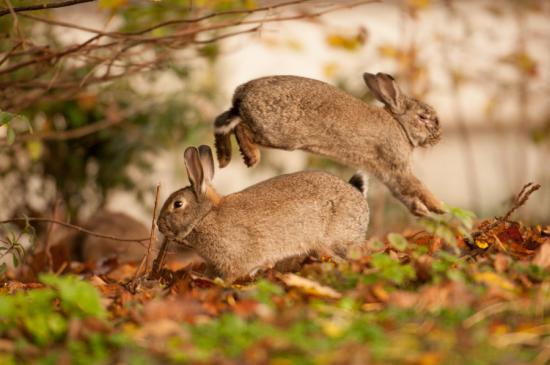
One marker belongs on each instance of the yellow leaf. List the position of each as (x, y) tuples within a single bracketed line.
[(250, 4), (294, 44), (334, 327), (389, 51), (345, 42), (309, 286), (523, 62), (35, 149), (112, 4), (482, 244), (380, 293), (330, 69), (86, 100), (419, 4), (430, 358), (491, 279)]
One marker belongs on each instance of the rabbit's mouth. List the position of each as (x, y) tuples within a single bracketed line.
[(434, 136), (175, 237)]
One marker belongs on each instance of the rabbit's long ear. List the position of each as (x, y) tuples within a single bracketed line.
[(385, 89), (207, 162), (194, 170)]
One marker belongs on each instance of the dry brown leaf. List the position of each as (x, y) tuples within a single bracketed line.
[(542, 257), (501, 262), (159, 330), (122, 273), (309, 286), (97, 281), (380, 293), (403, 299), (494, 280)]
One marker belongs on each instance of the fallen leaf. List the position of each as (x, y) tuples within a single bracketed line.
[(309, 286), (482, 244), (380, 293), (403, 298), (368, 307), (159, 330), (494, 280), (122, 273), (429, 358), (501, 262), (542, 257)]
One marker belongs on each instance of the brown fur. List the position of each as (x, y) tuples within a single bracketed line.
[(114, 224), (291, 112), (283, 217)]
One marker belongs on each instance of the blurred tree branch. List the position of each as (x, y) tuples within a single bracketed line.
[(52, 5), (31, 70), (140, 240)]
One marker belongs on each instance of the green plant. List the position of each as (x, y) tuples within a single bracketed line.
[(456, 221), (45, 313), (11, 245), (12, 121), (391, 269)]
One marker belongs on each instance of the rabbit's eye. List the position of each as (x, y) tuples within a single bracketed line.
[(178, 204)]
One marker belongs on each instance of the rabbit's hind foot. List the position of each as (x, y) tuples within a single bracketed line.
[(249, 149), (223, 148)]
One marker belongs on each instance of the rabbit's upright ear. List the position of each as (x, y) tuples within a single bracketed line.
[(207, 162), (385, 89), (194, 170)]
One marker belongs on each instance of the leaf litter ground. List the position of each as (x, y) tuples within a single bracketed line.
[(411, 299)]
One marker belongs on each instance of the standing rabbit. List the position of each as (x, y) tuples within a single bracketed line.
[(280, 218), (292, 112)]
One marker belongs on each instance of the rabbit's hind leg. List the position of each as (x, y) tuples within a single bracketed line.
[(223, 127), (223, 148), (249, 149)]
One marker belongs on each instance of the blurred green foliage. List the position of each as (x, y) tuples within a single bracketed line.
[(37, 311)]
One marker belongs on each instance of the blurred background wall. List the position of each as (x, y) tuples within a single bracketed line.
[(484, 66)]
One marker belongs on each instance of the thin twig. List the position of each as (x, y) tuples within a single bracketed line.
[(519, 201), (47, 240), (73, 133), (152, 238), (15, 21), (138, 277), (59, 4), (20, 93), (49, 56), (166, 23), (10, 52), (159, 260), (522, 198), (77, 228)]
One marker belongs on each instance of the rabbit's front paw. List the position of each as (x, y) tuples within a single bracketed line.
[(418, 208), (432, 203)]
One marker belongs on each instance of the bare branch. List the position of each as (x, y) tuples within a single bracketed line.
[(77, 228), (105, 48), (152, 238), (59, 4), (519, 201), (167, 23)]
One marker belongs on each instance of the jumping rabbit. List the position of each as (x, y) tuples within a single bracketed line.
[(291, 112), (283, 217)]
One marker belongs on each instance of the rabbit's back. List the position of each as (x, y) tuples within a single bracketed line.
[(284, 216), (119, 225), (295, 112)]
